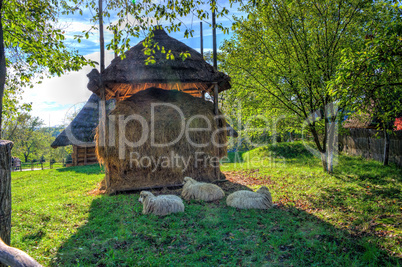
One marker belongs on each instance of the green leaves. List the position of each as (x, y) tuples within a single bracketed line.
[(368, 78)]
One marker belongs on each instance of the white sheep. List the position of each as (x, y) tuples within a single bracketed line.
[(244, 199), (201, 191), (160, 205)]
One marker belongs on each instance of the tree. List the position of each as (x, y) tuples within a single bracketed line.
[(32, 45), (30, 140), (287, 52), (368, 78)]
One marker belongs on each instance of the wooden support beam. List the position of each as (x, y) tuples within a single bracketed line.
[(216, 98), (202, 40), (214, 49), (75, 157), (216, 111), (110, 92)]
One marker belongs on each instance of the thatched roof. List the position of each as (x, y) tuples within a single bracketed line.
[(367, 121), (81, 130), (131, 74), (356, 120)]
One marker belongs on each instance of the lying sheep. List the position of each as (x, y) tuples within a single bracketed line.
[(244, 199), (160, 205), (201, 191)]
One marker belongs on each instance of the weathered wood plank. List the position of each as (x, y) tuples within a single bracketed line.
[(16, 258), (5, 190)]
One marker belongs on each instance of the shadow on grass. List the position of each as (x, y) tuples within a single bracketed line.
[(87, 169), (367, 171), (367, 203), (210, 234)]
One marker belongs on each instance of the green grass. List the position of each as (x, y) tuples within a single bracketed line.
[(351, 218)]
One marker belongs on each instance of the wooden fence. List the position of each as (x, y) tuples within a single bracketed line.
[(369, 143), (37, 165)]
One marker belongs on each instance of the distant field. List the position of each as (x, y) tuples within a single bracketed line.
[(352, 218)]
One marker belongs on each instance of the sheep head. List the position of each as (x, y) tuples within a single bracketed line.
[(144, 195), (189, 180), (263, 190)]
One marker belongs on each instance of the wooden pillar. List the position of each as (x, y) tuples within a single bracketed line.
[(216, 99), (5, 190), (214, 52), (115, 33), (203, 95), (201, 41), (75, 155), (216, 111)]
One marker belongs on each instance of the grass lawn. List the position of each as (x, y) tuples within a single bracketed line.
[(351, 218)]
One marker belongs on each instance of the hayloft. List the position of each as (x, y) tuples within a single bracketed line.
[(183, 83), (173, 155)]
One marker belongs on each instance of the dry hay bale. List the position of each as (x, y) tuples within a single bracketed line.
[(162, 167), (201, 191), (160, 205), (243, 199)]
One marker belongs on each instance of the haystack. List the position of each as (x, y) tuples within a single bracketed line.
[(148, 165)]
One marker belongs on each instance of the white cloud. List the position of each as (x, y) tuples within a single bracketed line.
[(54, 96)]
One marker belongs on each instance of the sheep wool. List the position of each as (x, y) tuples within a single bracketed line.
[(160, 205), (201, 191), (243, 199)]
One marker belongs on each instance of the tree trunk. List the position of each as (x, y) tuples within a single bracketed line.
[(386, 147), (332, 141), (5, 191), (2, 66), (324, 161)]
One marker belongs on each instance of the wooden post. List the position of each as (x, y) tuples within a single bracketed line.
[(5, 190), (203, 95), (75, 153), (216, 99), (216, 111), (214, 40), (202, 41), (101, 39), (115, 33), (103, 123)]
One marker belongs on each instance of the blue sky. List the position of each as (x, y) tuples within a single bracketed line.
[(56, 97)]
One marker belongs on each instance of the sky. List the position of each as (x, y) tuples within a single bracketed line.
[(56, 98)]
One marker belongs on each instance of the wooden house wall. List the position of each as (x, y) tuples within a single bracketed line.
[(83, 156)]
